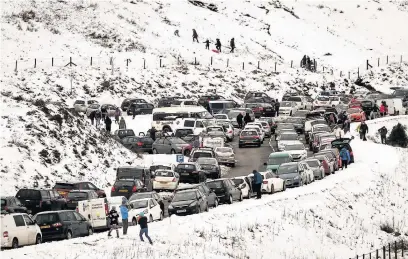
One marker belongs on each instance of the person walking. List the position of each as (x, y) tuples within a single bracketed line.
[(104, 112), (383, 133), (143, 228), (375, 112), (218, 45), (124, 211), (118, 113), (240, 117), (247, 119), (98, 118), (122, 123), (176, 33), (303, 61), (133, 110), (345, 157), (363, 130), (339, 133), (108, 124), (153, 131), (92, 117), (277, 106), (113, 218), (207, 44), (232, 45), (257, 183), (195, 36)]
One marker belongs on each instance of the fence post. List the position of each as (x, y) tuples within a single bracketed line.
[(387, 59), (258, 64), (127, 62), (35, 63), (395, 249), (323, 69), (376, 254), (16, 67), (401, 59), (349, 74), (341, 73), (357, 257), (363, 256), (275, 67), (332, 71), (144, 63), (384, 252), (160, 63), (195, 61), (368, 65), (378, 61), (227, 62), (358, 72), (402, 241), (370, 255), (211, 61), (291, 63), (389, 250), (243, 65), (91, 61), (52, 62)]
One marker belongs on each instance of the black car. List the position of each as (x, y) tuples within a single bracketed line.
[(368, 106), (126, 103), (204, 99), (211, 166), (40, 200), (182, 133), (12, 205), (203, 187), (191, 173), (63, 224), (258, 95), (127, 187), (145, 195), (122, 133), (225, 190), (140, 108), (75, 196), (188, 202), (267, 110), (138, 144), (166, 101)]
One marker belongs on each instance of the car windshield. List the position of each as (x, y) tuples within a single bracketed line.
[(139, 204), (187, 166), (287, 169), (79, 102), (139, 196), (212, 129), (164, 173), (312, 163), (278, 160), (286, 104), (295, 99), (184, 196), (46, 218), (323, 98), (28, 194), (224, 150), (351, 111), (289, 136), (334, 99), (366, 103), (177, 141), (238, 181), (77, 195), (207, 161), (215, 184), (220, 116), (294, 120), (183, 132), (295, 147), (249, 133)]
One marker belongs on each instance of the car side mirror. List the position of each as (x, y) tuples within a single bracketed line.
[(265, 164)]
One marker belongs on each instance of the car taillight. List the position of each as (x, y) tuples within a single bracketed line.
[(174, 179), (261, 108), (230, 131), (56, 225), (241, 137), (194, 172), (5, 208), (5, 234), (134, 189), (351, 153), (140, 144), (113, 189), (106, 209), (256, 137), (77, 210), (265, 182)]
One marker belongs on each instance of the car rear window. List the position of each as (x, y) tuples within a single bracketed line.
[(29, 194), (323, 98), (164, 173), (47, 218), (217, 105), (313, 163), (249, 133), (202, 154), (67, 186), (186, 166), (215, 184), (79, 102), (123, 183), (77, 195)]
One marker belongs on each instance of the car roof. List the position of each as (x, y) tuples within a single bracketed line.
[(53, 211), (294, 143), (187, 190), (144, 199), (290, 163), (279, 154), (215, 180), (81, 191), (187, 187)]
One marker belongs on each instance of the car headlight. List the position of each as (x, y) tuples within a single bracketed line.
[(296, 178), (193, 204)]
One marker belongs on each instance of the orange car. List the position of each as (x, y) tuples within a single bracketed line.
[(356, 114), (355, 104)]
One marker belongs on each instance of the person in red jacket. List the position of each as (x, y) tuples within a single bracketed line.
[(382, 109)]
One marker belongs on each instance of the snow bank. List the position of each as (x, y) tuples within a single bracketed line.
[(337, 217)]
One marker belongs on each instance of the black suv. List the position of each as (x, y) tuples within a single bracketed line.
[(188, 202), (166, 101), (204, 99), (63, 224), (140, 108), (203, 187), (191, 173), (12, 205), (79, 195), (225, 190), (126, 103), (41, 200), (118, 135), (127, 187)]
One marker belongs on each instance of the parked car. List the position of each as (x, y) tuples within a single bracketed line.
[(228, 129), (287, 138), (308, 172), (225, 190), (258, 129), (287, 108), (64, 188), (80, 106), (126, 103), (271, 183), (127, 187), (225, 155), (344, 142), (297, 122), (148, 206), (140, 108), (203, 187), (293, 173), (204, 99), (244, 183), (300, 101), (356, 114), (221, 116), (91, 108), (325, 162), (74, 196), (300, 113), (333, 161), (62, 224), (206, 152), (317, 167), (284, 127), (169, 145), (19, 229), (138, 144), (40, 200), (211, 167), (191, 172), (321, 101), (322, 141), (166, 101), (123, 133), (165, 180), (233, 113), (297, 150), (12, 205), (275, 159), (188, 202), (249, 137), (144, 195)]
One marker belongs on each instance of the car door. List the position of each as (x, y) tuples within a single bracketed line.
[(199, 127), (158, 145), (249, 186), (47, 204), (31, 229), (210, 196), (202, 200), (82, 223), (236, 192), (156, 209), (72, 223), (166, 146), (21, 229)]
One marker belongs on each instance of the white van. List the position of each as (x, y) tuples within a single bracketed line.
[(96, 211), (196, 125), (19, 230), (213, 142)]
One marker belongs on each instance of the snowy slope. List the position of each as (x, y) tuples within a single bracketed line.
[(337, 217)]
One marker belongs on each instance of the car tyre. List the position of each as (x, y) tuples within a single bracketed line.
[(215, 203), (150, 218), (154, 151), (259, 145), (241, 198), (14, 244), (230, 201), (161, 216), (272, 189), (284, 187), (134, 222), (233, 165), (90, 231), (198, 210), (69, 234), (38, 239), (207, 208), (173, 151), (239, 146)]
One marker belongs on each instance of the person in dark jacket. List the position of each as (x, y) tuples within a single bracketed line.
[(92, 116), (108, 124), (98, 118), (133, 109), (195, 36), (207, 44), (277, 106), (114, 221), (176, 33), (153, 131), (383, 133), (122, 123), (345, 157), (240, 117), (124, 211), (218, 45), (104, 113), (257, 183), (363, 131), (143, 228), (303, 61), (232, 45), (247, 118), (118, 113)]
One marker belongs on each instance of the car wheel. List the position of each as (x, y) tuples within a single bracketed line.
[(230, 200), (233, 165), (155, 151), (173, 151), (207, 208), (134, 222), (215, 203), (150, 218), (259, 145), (239, 146), (272, 189), (161, 216), (187, 152), (90, 231), (38, 239), (15, 243), (69, 234), (241, 198), (284, 187)]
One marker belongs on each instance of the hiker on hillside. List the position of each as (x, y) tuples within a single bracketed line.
[(232, 45), (122, 123), (383, 133), (218, 45), (114, 222), (207, 44), (176, 33), (104, 112), (98, 118), (195, 36), (92, 116), (108, 124), (142, 220), (118, 113)]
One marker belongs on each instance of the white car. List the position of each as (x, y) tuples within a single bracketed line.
[(244, 183), (321, 101), (317, 168), (221, 116), (286, 138), (80, 106), (297, 150), (225, 155), (228, 128), (258, 129), (270, 182), (308, 172), (335, 100), (19, 230), (287, 108), (196, 125), (165, 180), (148, 206)]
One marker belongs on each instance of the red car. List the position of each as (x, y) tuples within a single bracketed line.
[(356, 114)]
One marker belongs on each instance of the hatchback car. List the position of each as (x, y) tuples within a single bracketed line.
[(244, 183), (225, 155), (80, 106), (126, 103), (188, 202), (138, 144), (191, 172), (19, 229), (12, 205), (317, 167), (40, 200), (64, 188), (211, 167), (169, 145), (140, 108), (225, 190), (249, 138), (127, 187), (150, 207), (153, 195), (203, 187), (165, 180), (293, 174)]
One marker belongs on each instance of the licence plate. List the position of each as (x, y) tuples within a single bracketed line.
[(180, 211), (185, 174), (164, 182), (45, 227), (123, 190)]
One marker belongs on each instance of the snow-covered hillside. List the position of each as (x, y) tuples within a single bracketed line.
[(337, 217)]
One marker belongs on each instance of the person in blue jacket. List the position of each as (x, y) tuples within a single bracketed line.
[(124, 211), (257, 183), (345, 157)]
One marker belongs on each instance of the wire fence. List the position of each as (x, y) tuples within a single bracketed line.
[(395, 250)]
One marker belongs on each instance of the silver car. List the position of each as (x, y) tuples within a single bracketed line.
[(80, 106), (317, 167), (91, 108), (169, 145), (225, 155)]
